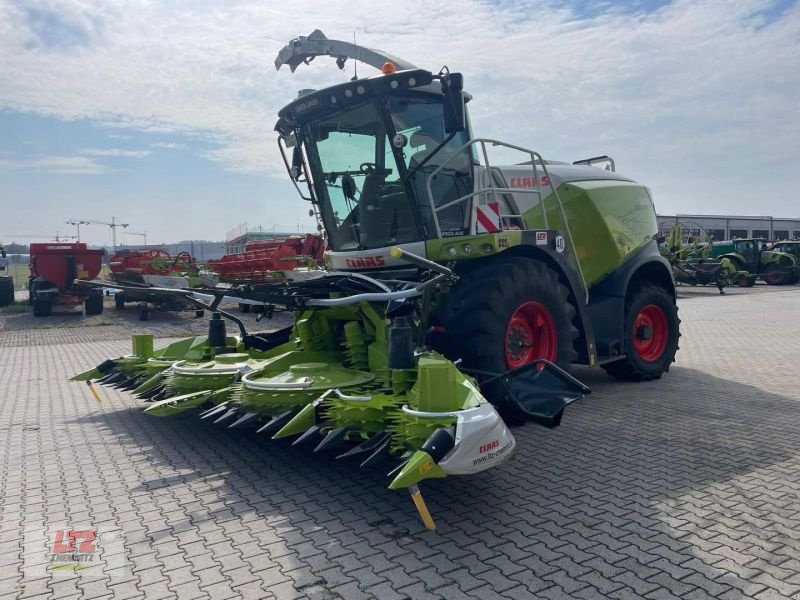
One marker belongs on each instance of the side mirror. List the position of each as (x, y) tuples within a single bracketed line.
[(297, 163), (455, 112)]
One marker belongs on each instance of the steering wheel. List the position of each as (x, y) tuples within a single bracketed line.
[(368, 168)]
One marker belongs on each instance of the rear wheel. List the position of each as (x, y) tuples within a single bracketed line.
[(6, 291), (119, 300), (773, 275), (144, 313), (504, 315), (651, 335)]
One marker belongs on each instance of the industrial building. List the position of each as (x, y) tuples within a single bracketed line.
[(728, 227)]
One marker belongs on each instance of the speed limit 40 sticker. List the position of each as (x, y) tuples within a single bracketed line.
[(561, 245)]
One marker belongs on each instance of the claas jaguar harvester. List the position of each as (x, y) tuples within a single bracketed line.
[(455, 293), (556, 261)]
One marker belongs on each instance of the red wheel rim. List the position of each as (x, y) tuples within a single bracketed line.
[(773, 276), (650, 333), (531, 334), (743, 282)]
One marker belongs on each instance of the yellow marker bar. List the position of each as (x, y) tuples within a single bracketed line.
[(94, 391), (422, 508)]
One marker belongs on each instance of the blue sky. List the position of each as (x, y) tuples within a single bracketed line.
[(162, 115)]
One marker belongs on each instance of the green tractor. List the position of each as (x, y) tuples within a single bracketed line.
[(774, 267), (788, 247), (6, 280)]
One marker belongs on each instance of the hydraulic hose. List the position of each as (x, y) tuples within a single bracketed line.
[(370, 297)]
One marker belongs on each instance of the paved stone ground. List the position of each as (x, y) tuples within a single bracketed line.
[(687, 487)]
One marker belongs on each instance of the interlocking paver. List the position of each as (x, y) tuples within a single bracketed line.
[(684, 487)]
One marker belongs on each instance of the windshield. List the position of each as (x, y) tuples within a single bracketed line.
[(364, 162), (362, 196)]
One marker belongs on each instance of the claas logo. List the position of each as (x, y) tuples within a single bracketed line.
[(366, 262), (528, 182), (489, 446)]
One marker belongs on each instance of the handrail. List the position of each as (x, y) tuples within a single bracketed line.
[(492, 189)]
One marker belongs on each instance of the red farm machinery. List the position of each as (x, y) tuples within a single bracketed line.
[(54, 267), (262, 258)]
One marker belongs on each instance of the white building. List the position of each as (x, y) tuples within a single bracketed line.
[(728, 227)]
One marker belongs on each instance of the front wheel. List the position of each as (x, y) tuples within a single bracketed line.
[(94, 304), (745, 281), (42, 307), (651, 335), (506, 314)]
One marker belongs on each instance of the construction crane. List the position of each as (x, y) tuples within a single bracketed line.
[(112, 224), (56, 237)]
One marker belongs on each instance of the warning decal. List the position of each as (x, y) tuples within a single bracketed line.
[(488, 218)]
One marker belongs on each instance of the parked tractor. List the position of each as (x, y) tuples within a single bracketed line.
[(54, 268), (788, 247), (6, 280), (774, 267)]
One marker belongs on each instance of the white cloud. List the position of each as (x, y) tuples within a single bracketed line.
[(116, 152), (56, 165), (696, 91), (169, 145)]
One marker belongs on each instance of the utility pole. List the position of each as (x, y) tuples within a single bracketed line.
[(113, 225)]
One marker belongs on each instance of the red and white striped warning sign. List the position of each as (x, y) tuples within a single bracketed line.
[(488, 218)]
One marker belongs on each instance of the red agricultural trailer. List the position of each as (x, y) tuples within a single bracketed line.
[(53, 269)]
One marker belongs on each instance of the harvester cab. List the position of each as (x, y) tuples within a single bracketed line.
[(557, 261)]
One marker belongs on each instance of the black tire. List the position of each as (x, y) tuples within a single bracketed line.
[(144, 313), (245, 308), (477, 319), (198, 313), (42, 307), (94, 304), (6, 291), (119, 300), (644, 364), (774, 275)]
